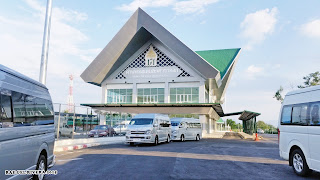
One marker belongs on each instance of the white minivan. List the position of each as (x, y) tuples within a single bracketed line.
[(149, 128), (299, 130), (186, 129)]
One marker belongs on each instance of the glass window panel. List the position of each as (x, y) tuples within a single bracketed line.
[(154, 91), (195, 90), (5, 111), (173, 91), (187, 90), (129, 99), (180, 90), (123, 91), (116, 91), (195, 98), (129, 92), (140, 99), (160, 90), (161, 98), (172, 98), (140, 91), (146, 91), (304, 114), (315, 113), (286, 114), (296, 114), (109, 99)]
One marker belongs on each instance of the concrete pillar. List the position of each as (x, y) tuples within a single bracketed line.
[(104, 94), (166, 92), (210, 126), (134, 93), (102, 119), (202, 92), (215, 125), (204, 122)]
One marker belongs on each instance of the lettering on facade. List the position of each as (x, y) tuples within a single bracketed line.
[(153, 72)]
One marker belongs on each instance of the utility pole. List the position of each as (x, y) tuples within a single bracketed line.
[(45, 45)]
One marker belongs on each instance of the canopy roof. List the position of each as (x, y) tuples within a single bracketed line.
[(168, 108)]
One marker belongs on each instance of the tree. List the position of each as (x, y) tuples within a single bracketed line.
[(232, 124), (262, 125), (312, 79), (278, 95)]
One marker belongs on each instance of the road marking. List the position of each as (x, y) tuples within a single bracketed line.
[(74, 159)]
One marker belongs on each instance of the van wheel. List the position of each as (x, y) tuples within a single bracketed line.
[(197, 137), (299, 164), (70, 136), (41, 165), (168, 138), (156, 141), (132, 144), (59, 134), (182, 138)]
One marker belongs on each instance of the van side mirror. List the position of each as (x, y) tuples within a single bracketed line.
[(155, 125)]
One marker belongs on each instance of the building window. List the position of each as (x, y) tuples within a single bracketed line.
[(151, 95), (184, 95), (119, 96)]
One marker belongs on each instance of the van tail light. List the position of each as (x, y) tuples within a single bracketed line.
[(278, 135)]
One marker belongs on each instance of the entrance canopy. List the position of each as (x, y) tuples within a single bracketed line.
[(167, 108)]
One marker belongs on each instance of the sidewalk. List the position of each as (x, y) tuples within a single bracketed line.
[(72, 144)]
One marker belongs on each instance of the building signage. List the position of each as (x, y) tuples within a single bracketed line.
[(152, 72)]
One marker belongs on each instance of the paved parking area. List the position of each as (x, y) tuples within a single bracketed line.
[(205, 159)]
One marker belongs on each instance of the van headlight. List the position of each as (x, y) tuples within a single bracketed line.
[(148, 132)]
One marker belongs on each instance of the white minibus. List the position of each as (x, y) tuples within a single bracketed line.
[(185, 129), (26, 125), (149, 128), (299, 130)]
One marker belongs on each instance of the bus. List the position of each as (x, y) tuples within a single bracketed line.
[(186, 129), (299, 130), (26, 125)]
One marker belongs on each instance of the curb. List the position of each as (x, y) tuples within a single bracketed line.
[(82, 146)]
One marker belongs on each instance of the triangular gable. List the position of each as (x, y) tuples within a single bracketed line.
[(162, 61), (137, 31)]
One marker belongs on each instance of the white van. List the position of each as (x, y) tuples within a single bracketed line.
[(26, 125), (186, 129), (299, 130), (149, 128)]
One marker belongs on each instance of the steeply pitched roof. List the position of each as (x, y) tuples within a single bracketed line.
[(220, 59), (136, 31)]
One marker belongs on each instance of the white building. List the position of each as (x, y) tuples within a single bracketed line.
[(144, 68)]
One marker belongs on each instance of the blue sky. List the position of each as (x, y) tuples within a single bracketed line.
[(280, 41)]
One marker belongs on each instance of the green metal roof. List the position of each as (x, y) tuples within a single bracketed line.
[(220, 121), (220, 59)]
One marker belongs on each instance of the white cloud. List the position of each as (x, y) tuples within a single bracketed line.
[(192, 6), (21, 43), (254, 69), (135, 4), (256, 26), (180, 7), (311, 29)]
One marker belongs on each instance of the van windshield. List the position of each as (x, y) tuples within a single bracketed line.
[(141, 121), (174, 123)]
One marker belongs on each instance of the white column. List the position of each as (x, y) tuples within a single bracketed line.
[(166, 92), (210, 125), (202, 92), (134, 93), (215, 125), (204, 121), (104, 94), (102, 119)]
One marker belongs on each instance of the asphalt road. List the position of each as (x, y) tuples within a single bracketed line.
[(204, 159)]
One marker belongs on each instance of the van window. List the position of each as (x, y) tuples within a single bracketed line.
[(286, 115), (5, 110), (314, 113), (141, 121)]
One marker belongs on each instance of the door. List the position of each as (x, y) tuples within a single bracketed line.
[(314, 136)]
